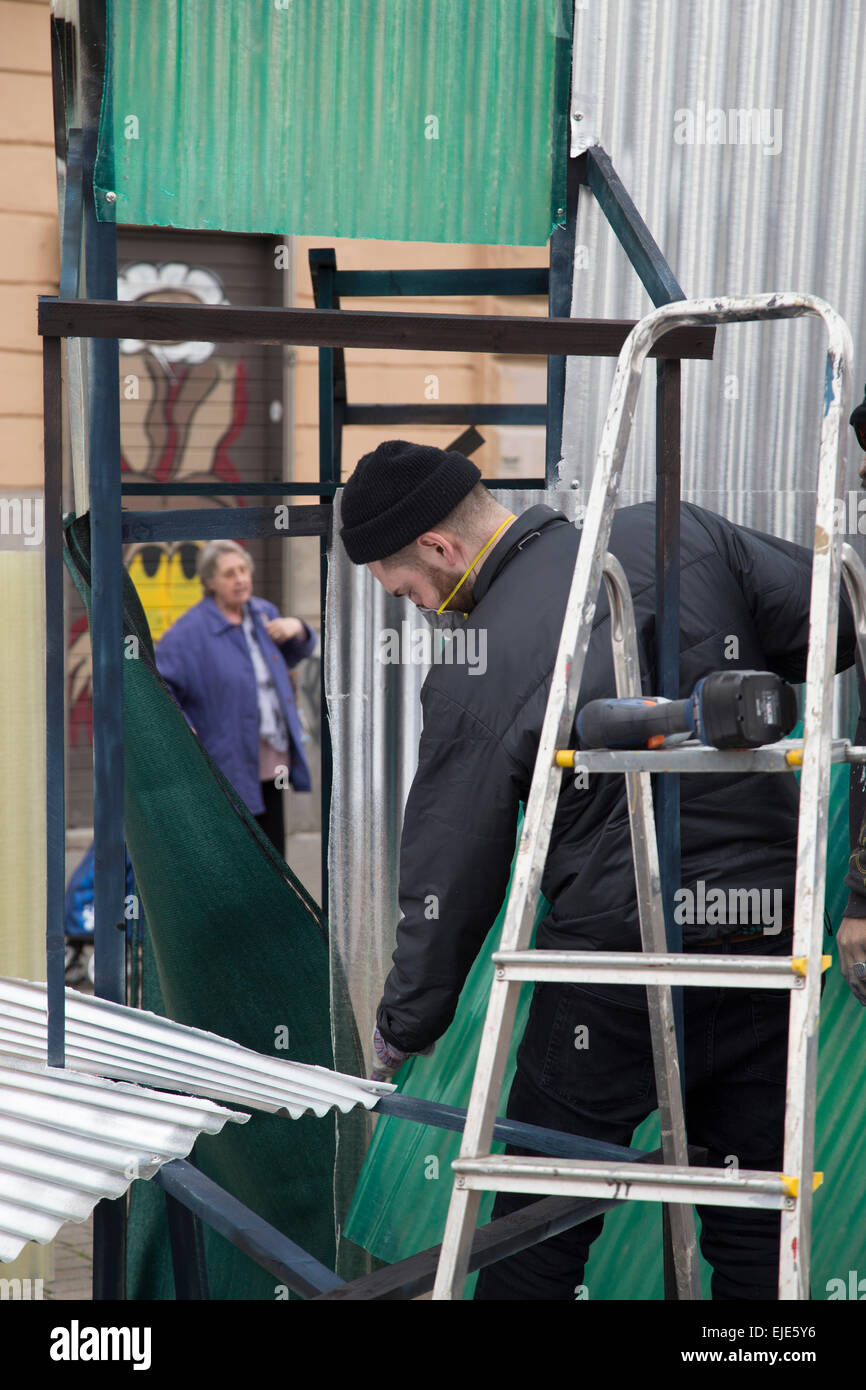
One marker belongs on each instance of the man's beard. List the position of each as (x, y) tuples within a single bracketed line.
[(443, 583)]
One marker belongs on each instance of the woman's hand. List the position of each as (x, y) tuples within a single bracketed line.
[(284, 629)]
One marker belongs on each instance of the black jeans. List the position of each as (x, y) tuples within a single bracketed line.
[(271, 818), (600, 1083)]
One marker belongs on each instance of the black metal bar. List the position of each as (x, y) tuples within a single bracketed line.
[(421, 284), (470, 439), (70, 252), (631, 231), (323, 265), (553, 1142), (55, 787), (282, 1257), (559, 306), (498, 1240), (332, 363), (211, 523), (278, 487), (188, 1258), (438, 414), (106, 624), (467, 443), (526, 336)]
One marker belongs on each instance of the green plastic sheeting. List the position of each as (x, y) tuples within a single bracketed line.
[(402, 1197), (239, 948), (412, 120)]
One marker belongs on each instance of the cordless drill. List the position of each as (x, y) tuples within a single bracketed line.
[(727, 709)]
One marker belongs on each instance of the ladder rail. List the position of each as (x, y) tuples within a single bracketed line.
[(802, 1072), (660, 1004), (556, 729)]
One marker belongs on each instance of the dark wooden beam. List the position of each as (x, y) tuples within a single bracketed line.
[(524, 336)]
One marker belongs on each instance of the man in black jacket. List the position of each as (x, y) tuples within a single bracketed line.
[(426, 527)]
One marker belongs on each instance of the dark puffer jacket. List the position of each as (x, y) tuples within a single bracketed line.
[(481, 733)]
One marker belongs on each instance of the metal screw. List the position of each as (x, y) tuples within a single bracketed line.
[(560, 212), (500, 973), (578, 115), (111, 197)]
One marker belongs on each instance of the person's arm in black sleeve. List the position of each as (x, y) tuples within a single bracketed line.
[(458, 842), (776, 579)]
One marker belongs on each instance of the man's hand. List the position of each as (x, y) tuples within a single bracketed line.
[(851, 940), (284, 629), (389, 1060)]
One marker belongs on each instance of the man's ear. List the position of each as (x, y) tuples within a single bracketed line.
[(434, 540)]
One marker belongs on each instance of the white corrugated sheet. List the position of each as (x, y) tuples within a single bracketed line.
[(68, 1140), (108, 1039)]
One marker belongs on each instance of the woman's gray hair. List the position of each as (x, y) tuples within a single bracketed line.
[(209, 558)]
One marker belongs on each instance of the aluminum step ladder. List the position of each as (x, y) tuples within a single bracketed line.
[(673, 1181)]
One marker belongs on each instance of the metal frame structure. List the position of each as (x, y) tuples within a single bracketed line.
[(97, 320)]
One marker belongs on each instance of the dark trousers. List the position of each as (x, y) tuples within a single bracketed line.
[(600, 1083), (271, 818)]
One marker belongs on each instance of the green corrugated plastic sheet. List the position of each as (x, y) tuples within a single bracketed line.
[(409, 120), (402, 1197)]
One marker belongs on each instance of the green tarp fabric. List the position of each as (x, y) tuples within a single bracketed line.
[(402, 1196), (409, 120), (239, 948)]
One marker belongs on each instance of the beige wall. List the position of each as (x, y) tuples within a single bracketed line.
[(29, 254)]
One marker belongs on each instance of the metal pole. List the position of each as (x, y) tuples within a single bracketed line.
[(55, 798), (106, 619)]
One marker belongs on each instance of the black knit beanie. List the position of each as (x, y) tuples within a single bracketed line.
[(398, 492)]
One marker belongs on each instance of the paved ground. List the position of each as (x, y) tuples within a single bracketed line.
[(73, 1262)]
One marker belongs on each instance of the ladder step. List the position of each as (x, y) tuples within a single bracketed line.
[(654, 967), (784, 756), (641, 1182)]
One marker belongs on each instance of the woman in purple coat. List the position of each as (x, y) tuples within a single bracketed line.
[(226, 661)]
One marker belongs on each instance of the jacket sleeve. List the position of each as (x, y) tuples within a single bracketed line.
[(297, 648), (170, 653), (776, 579), (458, 842), (855, 879)]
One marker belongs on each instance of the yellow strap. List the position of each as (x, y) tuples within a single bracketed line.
[(510, 517)]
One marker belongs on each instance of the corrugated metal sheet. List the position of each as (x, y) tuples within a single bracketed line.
[(428, 121), (732, 218), (108, 1039), (67, 1140)]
